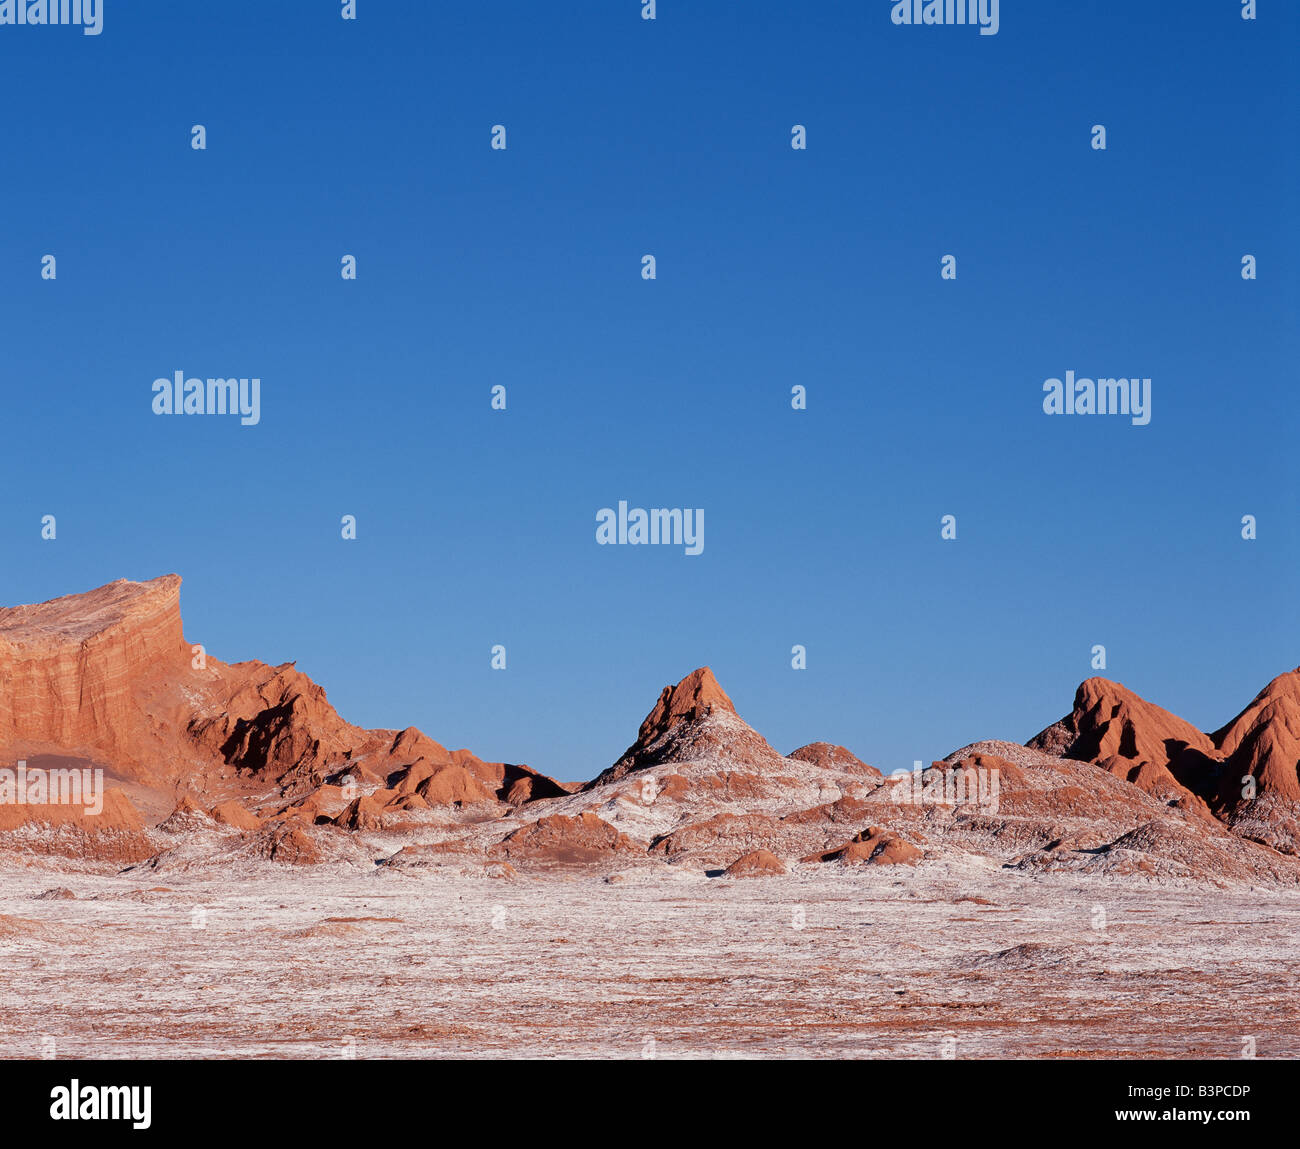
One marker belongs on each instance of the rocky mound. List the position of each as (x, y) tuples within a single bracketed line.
[(113, 834), (724, 835), (276, 843), (873, 846), (756, 864), (234, 815), (1028, 956), (831, 757), (567, 841), (15, 930)]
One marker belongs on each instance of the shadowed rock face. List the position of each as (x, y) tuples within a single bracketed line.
[(1135, 740), (1263, 741), (1109, 720), (1247, 773), (1259, 791), (872, 847)]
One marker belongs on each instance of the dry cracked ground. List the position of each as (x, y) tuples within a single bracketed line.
[(950, 959)]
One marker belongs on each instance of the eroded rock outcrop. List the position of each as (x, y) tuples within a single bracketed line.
[(567, 841), (107, 677), (756, 864), (1259, 792), (243, 763)]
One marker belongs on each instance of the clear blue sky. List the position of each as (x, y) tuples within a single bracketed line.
[(775, 268)]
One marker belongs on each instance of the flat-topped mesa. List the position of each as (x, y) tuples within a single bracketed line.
[(116, 609), (1109, 720), (69, 667), (693, 720)]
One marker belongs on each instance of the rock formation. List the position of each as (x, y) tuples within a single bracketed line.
[(108, 678), (243, 763)]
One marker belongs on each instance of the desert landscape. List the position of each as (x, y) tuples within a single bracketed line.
[(259, 878)]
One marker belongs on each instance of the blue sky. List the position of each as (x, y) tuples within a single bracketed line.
[(775, 268)]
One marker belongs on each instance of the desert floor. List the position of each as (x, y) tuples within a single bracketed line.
[(948, 959)]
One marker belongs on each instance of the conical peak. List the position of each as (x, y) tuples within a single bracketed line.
[(693, 697)]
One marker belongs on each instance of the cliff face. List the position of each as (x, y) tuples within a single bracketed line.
[(107, 677), (71, 669)]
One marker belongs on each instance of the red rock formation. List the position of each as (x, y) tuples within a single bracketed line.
[(235, 815), (874, 846), (1247, 773), (288, 845), (107, 675), (1263, 741), (73, 670), (692, 721), (366, 813), (566, 841), (457, 777), (255, 764), (695, 696), (1259, 791), (756, 864), (1110, 720), (831, 757), (114, 834)]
